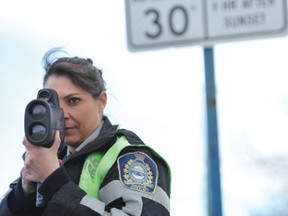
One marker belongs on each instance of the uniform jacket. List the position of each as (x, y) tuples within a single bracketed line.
[(124, 191)]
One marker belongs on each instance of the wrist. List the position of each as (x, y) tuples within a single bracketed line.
[(54, 182), (28, 188)]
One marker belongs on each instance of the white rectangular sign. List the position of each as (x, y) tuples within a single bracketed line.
[(164, 23)]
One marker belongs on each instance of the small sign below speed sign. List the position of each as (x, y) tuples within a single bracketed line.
[(164, 23)]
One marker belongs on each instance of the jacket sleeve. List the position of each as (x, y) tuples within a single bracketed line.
[(64, 198), (137, 184), (4, 209), (15, 203)]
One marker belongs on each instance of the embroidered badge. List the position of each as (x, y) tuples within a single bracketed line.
[(138, 172)]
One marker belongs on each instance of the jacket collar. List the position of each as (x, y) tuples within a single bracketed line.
[(106, 138)]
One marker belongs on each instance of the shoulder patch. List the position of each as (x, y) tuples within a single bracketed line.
[(137, 171)]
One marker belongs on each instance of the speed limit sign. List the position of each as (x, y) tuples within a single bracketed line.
[(164, 21), (156, 23)]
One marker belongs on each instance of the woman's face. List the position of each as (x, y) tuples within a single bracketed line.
[(82, 112)]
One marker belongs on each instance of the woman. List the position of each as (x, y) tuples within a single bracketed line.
[(104, 170)]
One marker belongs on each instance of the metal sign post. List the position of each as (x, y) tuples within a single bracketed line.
[(213, 164)]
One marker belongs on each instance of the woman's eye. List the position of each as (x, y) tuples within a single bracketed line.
[(74, 100)]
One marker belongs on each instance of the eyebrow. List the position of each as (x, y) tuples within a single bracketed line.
[(71, 95)]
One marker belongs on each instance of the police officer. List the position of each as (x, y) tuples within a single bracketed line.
[(103, 169)]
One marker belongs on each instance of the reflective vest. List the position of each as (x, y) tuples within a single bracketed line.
[(97, 164)]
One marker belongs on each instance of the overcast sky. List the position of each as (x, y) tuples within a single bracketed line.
[(159, 94)]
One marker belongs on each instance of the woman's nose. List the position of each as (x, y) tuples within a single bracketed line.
[(65, 112)]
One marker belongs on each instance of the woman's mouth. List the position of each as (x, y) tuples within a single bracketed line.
[(69, 130)]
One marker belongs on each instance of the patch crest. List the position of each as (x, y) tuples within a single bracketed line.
[(138, 172)]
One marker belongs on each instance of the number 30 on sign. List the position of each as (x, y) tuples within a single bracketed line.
[(163, 21)]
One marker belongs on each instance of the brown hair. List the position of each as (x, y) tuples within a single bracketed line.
[(81, 71)]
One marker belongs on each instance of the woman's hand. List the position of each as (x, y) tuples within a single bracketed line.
[(39, 163)]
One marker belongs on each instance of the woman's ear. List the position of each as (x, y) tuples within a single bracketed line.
[(103, 100)]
